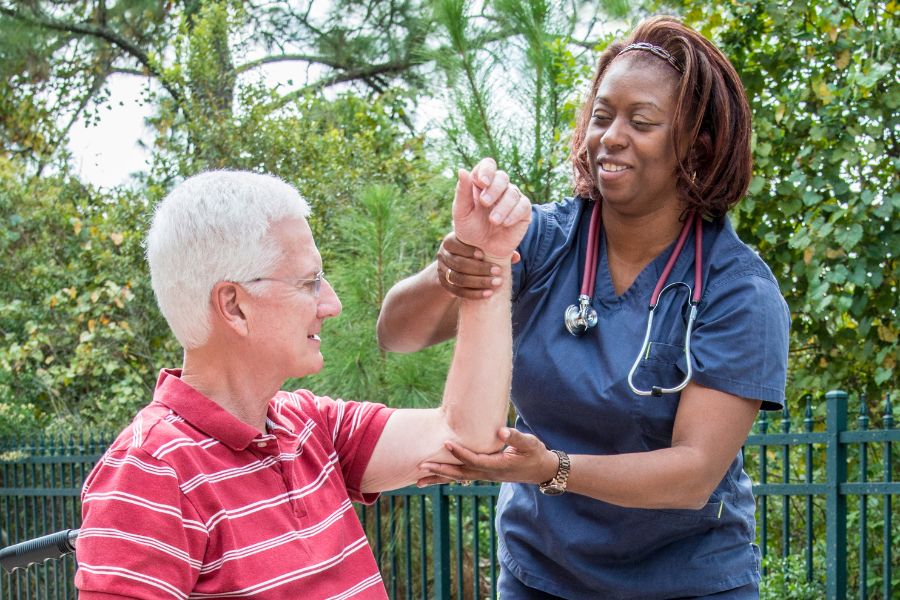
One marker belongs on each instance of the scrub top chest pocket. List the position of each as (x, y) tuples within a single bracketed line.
[(661, 365)]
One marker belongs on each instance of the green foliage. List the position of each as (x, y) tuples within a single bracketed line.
[(786, 580), (374, 245), (822, 209), (515, 82), (81, 337)]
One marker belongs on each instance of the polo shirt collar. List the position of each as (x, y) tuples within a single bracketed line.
[(201, 412)]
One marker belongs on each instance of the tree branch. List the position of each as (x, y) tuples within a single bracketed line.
[(363, 73), (125, 71), (87, 29), (308, 58)]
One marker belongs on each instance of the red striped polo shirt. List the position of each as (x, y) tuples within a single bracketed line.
[(190, 502)]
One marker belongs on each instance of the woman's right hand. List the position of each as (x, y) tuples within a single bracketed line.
[(463, 272), (524, 459)]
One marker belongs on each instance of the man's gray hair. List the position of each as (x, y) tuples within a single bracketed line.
[(214, 227)]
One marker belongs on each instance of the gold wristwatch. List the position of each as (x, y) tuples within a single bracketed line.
[(557, 485)]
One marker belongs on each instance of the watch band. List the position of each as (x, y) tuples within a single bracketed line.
[(557, 485)]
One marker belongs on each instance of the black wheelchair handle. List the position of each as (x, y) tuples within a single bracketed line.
[(47, 547)]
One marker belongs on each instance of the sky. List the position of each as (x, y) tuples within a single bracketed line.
[(106, 154)]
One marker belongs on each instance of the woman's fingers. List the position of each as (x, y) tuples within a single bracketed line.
[(458, 283), (452, 246), (433, 480), (469, 458), (524, 443), (468, 266), (448, 471), (462, 273)]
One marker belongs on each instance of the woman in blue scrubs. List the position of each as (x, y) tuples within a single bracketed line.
[(610, 493)]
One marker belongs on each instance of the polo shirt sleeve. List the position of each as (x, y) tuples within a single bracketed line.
[(140, 537), (355, 428), (740, 340)]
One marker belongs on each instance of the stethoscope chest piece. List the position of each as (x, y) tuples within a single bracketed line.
[(580, 317)]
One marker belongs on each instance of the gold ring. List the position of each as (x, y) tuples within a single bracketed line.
[(447, 276)]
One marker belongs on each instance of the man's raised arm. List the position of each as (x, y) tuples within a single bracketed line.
[(491, 215)]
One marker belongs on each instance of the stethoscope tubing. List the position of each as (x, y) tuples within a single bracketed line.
[(580, 318)]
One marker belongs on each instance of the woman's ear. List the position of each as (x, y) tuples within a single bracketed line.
[(701, 151), (228, 305)]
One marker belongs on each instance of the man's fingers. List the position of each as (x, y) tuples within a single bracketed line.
[(520, 212), (503, 209), (483, 173), (463, 201), (496, 190)]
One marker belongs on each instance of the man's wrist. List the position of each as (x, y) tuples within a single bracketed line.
[(500, 261)]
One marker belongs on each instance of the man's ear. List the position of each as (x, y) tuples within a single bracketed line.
[(227, 306)]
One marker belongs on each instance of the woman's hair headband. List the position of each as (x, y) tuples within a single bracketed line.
[(660, 52)]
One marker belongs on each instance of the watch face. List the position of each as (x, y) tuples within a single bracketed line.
[(551, 490)]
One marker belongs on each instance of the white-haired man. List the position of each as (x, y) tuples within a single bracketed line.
[(224, 486)]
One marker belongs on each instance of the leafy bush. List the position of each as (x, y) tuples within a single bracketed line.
[(785, 579)]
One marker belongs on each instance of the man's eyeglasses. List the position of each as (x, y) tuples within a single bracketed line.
[(310, 286)]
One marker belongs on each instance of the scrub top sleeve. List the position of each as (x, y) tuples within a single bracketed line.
[(529, 247), (740, 341)]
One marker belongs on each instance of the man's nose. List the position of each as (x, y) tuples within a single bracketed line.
[(329, 303)]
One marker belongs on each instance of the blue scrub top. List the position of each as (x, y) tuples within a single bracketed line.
[(572, 392)]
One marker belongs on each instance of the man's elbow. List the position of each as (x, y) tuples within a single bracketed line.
[(480, 437)]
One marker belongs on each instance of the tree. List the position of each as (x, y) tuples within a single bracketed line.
[(516, 70), (58, 56), (822, 207), (80, 338)]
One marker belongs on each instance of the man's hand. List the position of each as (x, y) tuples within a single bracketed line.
[(488, 212)]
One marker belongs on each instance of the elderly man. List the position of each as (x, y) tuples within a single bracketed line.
[(224, 486)]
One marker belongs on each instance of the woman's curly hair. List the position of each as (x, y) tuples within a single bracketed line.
[(712, 119)]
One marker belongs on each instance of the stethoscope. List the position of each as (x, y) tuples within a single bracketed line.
[(581, 317)]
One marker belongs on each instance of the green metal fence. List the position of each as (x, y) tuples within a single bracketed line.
[(824, 485), (39, 494), (827, 491)]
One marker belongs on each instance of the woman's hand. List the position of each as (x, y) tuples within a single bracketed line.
[(463, 272), (525, 459)]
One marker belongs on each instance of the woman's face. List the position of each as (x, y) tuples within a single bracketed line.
[(630, 136)]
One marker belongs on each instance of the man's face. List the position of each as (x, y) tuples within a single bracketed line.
[(285, 317)]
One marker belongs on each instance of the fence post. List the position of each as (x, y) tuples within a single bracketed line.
[(835, 501), (440, 549)]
